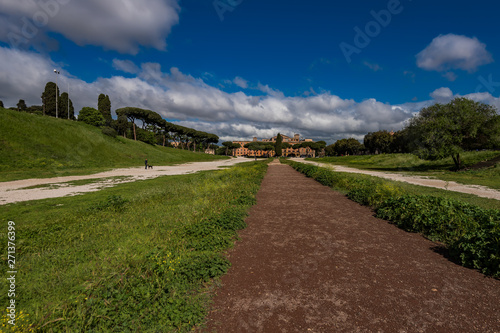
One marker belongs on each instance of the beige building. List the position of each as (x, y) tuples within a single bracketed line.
[(286, 152)]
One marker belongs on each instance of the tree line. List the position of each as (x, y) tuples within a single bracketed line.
[(153, 128), (438, 131), (278, 146)]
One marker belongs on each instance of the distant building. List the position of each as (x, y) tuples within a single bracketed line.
[(286, 152)]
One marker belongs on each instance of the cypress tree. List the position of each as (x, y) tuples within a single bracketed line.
[(278, 146), (104, 106), (49, 99)]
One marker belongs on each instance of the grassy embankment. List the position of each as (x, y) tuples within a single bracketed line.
[(410, 164), (139, 257), (33, 146)]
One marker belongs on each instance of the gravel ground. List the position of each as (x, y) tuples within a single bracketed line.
[(15, 191)]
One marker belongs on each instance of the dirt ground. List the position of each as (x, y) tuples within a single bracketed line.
[(313, 261)]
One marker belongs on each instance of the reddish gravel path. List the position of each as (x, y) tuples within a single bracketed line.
[(313, 261)]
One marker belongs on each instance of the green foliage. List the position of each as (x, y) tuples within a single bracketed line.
[(49, 98), (113, 202), (63, 107), (21, 106), (104, 107), (109, 131), (471, 233), (440, 130), (380, 142), (349, 146), (139, 257), (279, 145), (91, 117)]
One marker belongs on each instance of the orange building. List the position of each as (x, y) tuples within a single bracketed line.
[(286, 152)]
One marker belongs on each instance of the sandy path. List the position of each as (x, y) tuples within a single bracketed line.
[(480, 191), (311, 260), (15, 191)]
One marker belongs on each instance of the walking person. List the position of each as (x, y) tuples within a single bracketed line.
[(146, 163)]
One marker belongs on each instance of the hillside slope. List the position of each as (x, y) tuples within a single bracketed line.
[(36, 146)]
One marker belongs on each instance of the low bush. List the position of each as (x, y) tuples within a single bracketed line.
[(109, 131)]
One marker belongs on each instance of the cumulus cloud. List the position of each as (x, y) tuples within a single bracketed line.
[(193, 102), (121, 25), (442, 95), (452, 51)]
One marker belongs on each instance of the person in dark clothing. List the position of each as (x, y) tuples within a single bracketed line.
[(146, 163)]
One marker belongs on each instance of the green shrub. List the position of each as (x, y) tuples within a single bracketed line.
[(109, 131), (471, 233)]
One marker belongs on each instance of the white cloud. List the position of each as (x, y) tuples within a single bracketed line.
[(126, 66), (442, 95), (240, 82), (176, 95), (454, 52), (268, 90), (121, 25)]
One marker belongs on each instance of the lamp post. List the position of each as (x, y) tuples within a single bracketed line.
[(68, 100), (57, 74)]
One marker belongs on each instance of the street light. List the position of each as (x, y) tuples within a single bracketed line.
[(68, 99), (57, 73)]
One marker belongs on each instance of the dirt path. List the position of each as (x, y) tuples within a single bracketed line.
[(313, 261), (480, 191), (15, 191)]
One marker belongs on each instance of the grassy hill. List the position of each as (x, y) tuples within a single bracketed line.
[(35, 146)]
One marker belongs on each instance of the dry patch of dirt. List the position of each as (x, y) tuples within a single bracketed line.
[(21, 190)]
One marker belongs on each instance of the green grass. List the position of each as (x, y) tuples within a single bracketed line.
[(34, 146), (136, 257), (440, 169), (424, 190)]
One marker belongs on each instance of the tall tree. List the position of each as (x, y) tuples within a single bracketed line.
[(63, 107), (104, 107), (21, 106), (49, 99), (279, 145), (1, 104), (440, 130)]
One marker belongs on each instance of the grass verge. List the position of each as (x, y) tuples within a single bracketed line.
[(138, 257), (470, 232), (440, 169)]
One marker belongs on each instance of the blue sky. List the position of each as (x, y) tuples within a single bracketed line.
[(244, 68)]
